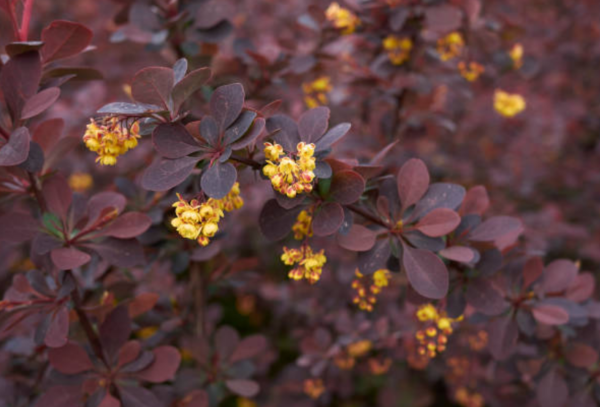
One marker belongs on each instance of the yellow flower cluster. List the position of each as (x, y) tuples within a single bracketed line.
[(110, 139), (346, 359), (303, 226), (470, 71), (315, 92), (309, 265), (291, 174), (508, 105), (434, 332), (200, 220), (478, 340), (366, 291), (342, 18), (379, 367), (467, 398), (450, 46), (314, 388), (398, 48), (516, 54), (80, 181)]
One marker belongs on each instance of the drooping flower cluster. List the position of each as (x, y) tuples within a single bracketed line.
[(470, 71), (110, 138), (291, 174), (508, 104), (434, 330), (303, 226), (342, 18), (450, 46), (346, 359), (315, 92), (308, 265), (368, 288), (398, 48), (200, 220)]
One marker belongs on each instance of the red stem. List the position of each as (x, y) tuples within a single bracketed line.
[(27, 9), (13, 21)]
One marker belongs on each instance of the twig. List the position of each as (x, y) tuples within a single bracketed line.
[(367, 216), (35, 188), (252, 163)]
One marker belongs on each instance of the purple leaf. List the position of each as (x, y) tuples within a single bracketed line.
[(244, 388), (368, 262), (153, 86), (276, 222), (494, 228), (226, 341), (503, 333), (38, 103), (120, 252), (558, 275), (552, 390), (485, 297), (63, 39), (138, 397), (128, 225), (209, 130), (285, 131), (438, 222), (226, 104), (217, 180), (19, 80), (313, 124), (460, 254), (172, 140), (114, 332), (358, 239), (255, 131), (17, 227), (413, 180), (70, 359), (239, 127), (550, 314), (47, 133), (165, 365), (440, 195), (426, 273), (191, 83), (58, 331), (124, 108), (248, 347), (165, 174), (58, 196), (61, 396), (328, 219), (67, 258), (346, 187), (16, 150), (333, 135)]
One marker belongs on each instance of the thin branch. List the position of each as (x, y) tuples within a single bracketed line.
[(35, 188), (252, 163), (367, 216)]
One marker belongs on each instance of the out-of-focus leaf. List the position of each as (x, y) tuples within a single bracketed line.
[(558, 275), (276, 222), (114, 332), (460, 254), (70, 359), (58, 330), (166, 362), (581, 355), (16, 150), (58, 196), (413, 180), (133, 396), (244, 388), (39, 102), (67, 258), (494, 228), (128, 225), (485, 297), (550, 314), (552, 390), (120, 252), (248, 347), (503, 334), (19, 80), (142, 303)]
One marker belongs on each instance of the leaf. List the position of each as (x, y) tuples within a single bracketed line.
[(72, 72), (438, 222), (58, 331), (443, 18), (19, 80), (138, 397), (58, 196), (413, 180), (61, 396), (109, 401), (248, 348), (16, 150), (532, 271), (581, 288), (255, 131), (164, 174), (17, 227), (485, 297), (581, 355), (284, 130), (313, 124), (38, 103), (47, 133), (328, 219), (142, 303), (179, 68), (550, 314), (20, 47), (114, 332), (128, 352), (70, 359), (494, 228), (63, 39), (368, 262), (120, 252), (127, 108), (165, 365), (558, 275), (552, 390), (460, 254), (226, 104), (67, 258), (239, 127), (35, 159), (196, 398), (103, 201), (153, 85), (226, 341), (439, 195), (217, 181), (334, 134), (276, 222), (426, 273), (503, 334), (346, 187), (190, 84), (244, 388), (209, 130), (172, 140), (358, 239), (476, 201), (128, 225)]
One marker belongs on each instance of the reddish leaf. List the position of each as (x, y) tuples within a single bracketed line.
[(191, 83), (226, 104), (142, 303), (195, 398), (334, 134), (114, 332), (70, 359), (439, 195), (244, 388), (67, 258), (485, 297), (313, 124), (226, 341), (368, 262), (138, 397), (38, 103), (47, 133), (284, 130), (271, 108), (17, 227), (581, 288), (503, 334), (57, 195), (533, 269), (476, 201), (239, 127), (552, 390), (165, 365), (276, 222), (103, 201), (438, 222), (413, 180), (218, 179), (494, 228), (346, 187), (165, 174), (109, 401), (61, 396), (16, 150), (426, 273), (558, 275), (328, 219), (63, 39), (209, 130), (153, 85), (172, 140), (120, 252), (358, 239), (248, 347), (58, 331), (460, 254), (128, 353), (255, 131), (16, 48), (19, 80), (550, 314), (581, 355), (443, 18), (128, 225)]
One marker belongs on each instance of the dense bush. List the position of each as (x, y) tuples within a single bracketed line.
[(261, 203)]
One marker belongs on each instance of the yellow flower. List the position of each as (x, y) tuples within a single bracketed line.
[(379, 367), (110, 139), (314, 388), (432, 337), (342, 18), (507, 104), (367, 288), (360, 348), (309, 265), (516, 54), (381, 278), (470, 71), (398, 49), (303, 226), (450, 46), (291, 174), (315, 92), (80, 181)]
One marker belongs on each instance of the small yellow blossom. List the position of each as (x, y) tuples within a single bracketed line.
[(342, 18), (314, 388), (434, 331), (244, 402), (146, 332), (309, 265), (516, 54), (478, 340), (368, 288), (344, 361), (467, 398), (315, 92), (470, 71), (293, 174), (450, 46), (379, 367), (303, 226), (80, 181), (398, 48), (507, 104), (110, 139), (360, 348)]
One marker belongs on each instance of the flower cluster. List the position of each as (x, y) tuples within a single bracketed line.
[(507, 104), (309, 265), (379, 366), (110, 139), (367, 288), (200, 220), (398, 48), (315, 92), (290, 175), (434, 331), (467, 398), (80, 181), (303, 226), (470, 71), (516, 54), (450, 46), (314, 388), (342, 18)]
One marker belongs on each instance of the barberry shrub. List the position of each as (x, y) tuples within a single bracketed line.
[(249, 218)]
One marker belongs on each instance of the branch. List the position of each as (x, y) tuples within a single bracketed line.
[(252, 163), (35, 188), (367, 215)]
